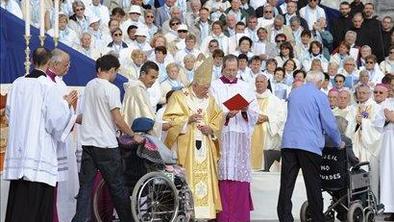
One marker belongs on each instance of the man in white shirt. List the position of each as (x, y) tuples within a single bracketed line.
[(268, 17), (38, 115), (312, 12), (100, 119)]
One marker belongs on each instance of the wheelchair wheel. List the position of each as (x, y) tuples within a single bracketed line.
[(305, 213), (355, 213), (370, 216), (155, 198), (103, 208)]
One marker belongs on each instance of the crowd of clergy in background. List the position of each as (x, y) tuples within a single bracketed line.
[(184, 60)]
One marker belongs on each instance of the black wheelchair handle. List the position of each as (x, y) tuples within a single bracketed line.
[(357, 166)]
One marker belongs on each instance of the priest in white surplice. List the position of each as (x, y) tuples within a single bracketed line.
[(68, 185), (234, 162), (364, 133), (38, 115), (267, 134), (386, 118)]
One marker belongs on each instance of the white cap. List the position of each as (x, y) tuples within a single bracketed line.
[(141, 31), (135, 9), (182, 27), (93, 19)]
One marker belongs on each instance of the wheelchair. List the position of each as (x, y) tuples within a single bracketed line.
[(158, 190), (349, 188)]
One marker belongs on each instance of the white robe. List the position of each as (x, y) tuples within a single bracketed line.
[(38, 116), (387, 159), (276, 112), (235, 141), (366, 139), (68, 184)]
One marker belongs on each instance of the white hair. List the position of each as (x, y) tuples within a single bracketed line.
[(314, 77), (261, 75), (349, 59), (85, 34), (58, 56)]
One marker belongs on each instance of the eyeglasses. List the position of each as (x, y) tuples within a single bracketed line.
[(339, 81), (392, 52), (79, 9), (349, 64), (369, 62), (149, 16), (280, 40), (378, 92), (175, 23), (267, 11), (182, 31), (211, 46), (117, 34)]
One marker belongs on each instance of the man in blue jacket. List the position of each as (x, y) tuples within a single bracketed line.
[(309, 120)]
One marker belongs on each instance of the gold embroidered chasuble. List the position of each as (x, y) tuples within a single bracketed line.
[(258, 137), (196, 152)]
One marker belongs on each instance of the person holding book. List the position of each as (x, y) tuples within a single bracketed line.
[(235, 141)]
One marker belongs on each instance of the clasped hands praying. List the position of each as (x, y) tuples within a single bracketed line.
[(71, 98), (389, 115), (205, 129)]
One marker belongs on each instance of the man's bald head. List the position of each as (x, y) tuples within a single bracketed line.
[(41, 57)]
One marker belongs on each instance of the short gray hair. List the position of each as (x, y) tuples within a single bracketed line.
[(314, 77), (295, 19), (261, 75), (58, 56), (85, 33), (77, 3), (349, 59), (364, 73), (350, 32), (280, 18), (188, 57)]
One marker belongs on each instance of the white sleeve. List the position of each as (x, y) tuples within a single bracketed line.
[(56, 113), (113, 96)]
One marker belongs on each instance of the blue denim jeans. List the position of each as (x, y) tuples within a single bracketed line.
[(108, 162)]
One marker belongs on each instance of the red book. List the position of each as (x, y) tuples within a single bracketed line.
[(236, 102)]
